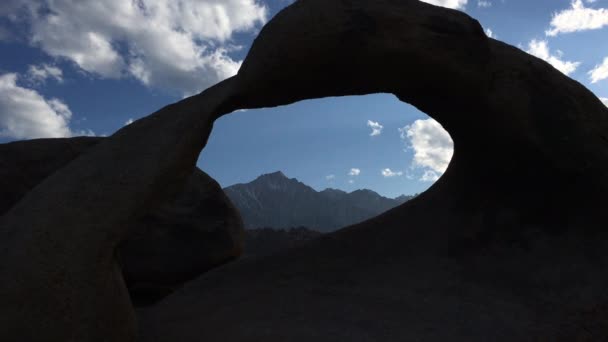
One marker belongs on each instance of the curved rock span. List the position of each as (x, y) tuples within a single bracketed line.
[(508, 245)]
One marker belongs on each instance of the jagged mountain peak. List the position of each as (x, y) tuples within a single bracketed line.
[(274, 200), (273, 175), (277, 181), (365, 192), (333, 191)]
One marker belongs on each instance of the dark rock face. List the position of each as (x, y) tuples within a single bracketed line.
[(273, 200), (181, 239), (268, 241), (24, 164), (489, 252)]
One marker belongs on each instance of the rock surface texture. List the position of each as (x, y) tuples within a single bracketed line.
[(509, 245), (181, 239), (25, 164)]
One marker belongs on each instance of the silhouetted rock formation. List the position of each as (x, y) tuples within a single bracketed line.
[(179, 240), (273, 200), (24, 164), (490, 252), (182, 239)]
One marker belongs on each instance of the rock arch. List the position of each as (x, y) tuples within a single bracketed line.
[(495, 101), (512, 117)]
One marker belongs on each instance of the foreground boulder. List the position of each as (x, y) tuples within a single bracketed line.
[(508, 245), (173, 243), (181, 240)]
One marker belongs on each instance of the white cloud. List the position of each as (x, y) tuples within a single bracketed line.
[(605, 100), (600, 72), (128, 122), (489, 33), (40, 73), (330, 177), (484, 4), (433, 147), (456, 4), (350, 181), (578, 18), (376, 128), (540, 49), (178, 45), (430, 176), (91, 51), (389, 173), (354, 172), (25, 114)]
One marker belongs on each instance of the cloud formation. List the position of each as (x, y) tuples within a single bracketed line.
[(40, 73), (540, 49), (578, 18), (489, 33), (25, 114), (433, 147), (430, 176), (455, 4), (387, 173), (484, 4), (600, 72), (354, 172), (376, 128), (330, 177), (177, 45), (605, 100)]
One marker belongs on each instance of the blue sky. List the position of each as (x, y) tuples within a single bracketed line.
[(70, 68)]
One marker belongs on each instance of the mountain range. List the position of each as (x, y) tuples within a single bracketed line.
[(274, 200)]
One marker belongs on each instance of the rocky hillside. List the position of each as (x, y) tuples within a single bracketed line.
[(274, 200), (267, 241)]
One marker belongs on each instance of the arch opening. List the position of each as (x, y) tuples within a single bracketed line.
[(327, 163)]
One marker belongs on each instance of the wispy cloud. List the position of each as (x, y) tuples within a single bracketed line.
[(484, 4), (354, 172), (181, 46), (429, 176), (376, 128), (540, 49), (600, 72), (490, 33), (388, 173), (330, 177), (26, 114), (40, 73), (455, 4), (578, 18)]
